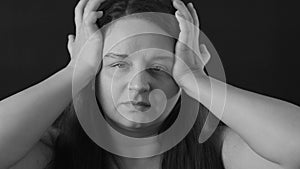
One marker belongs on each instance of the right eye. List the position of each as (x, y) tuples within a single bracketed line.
[(119, 64)]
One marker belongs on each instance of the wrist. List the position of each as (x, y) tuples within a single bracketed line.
[(196, 84), (189, 76), (81, 67), (81, 74)]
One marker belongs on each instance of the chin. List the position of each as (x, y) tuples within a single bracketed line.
[(133, 129), (129, 125)]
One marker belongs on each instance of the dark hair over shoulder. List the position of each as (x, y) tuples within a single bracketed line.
[(73, 149)]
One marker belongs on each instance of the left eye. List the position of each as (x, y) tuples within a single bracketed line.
[(157, 68), (154, 68)]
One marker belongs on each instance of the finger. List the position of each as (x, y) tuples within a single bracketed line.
[(91, 19), (92, 5), (196, 22), (185, 31), (205, 53), (185, 19), (182, 26), (194, 14), (179, 5), (71, 39), (78, 12)]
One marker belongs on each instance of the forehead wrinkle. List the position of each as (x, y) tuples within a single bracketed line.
[(145, 46), (122, 30), (162, 56)]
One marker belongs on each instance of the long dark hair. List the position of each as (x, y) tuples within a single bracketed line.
[(73, 149)]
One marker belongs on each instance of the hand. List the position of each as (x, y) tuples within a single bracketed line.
[(87, 46), (190, 57)]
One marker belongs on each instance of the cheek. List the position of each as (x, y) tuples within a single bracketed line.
[(169, 86), (109, 103), (103, 92), (107, 93)]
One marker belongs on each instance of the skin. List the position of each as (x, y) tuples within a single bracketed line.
[(268, 125), (142, 50)]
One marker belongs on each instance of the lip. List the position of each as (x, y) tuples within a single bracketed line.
[(138, 103), (141, 106)]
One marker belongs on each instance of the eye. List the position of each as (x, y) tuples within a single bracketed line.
[(157, 68), (119, 64)]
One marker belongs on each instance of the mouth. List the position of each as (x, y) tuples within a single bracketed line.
[(140, 106)]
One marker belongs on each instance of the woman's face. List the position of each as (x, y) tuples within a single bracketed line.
[(147, 65)]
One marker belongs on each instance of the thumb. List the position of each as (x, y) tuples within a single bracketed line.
[(71, 39), (205, 53)]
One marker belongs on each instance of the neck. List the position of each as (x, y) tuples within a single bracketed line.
[(140, 163), (137, 133)]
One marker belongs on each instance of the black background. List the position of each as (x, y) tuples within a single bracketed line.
[(257, 41)]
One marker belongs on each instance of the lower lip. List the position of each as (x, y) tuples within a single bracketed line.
[(138, 107)]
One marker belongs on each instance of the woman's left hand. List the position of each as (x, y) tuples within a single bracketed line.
[(189, 56)]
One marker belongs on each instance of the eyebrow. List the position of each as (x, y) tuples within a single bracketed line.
[(116, 56), (123, 56)]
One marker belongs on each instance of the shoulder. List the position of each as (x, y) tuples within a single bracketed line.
[(40, 154), (37, 158), (237, 154)]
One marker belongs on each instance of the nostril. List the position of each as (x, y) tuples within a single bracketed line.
[(141, 87), (140, 79)]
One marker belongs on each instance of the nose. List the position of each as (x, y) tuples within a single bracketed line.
[(140, 82)]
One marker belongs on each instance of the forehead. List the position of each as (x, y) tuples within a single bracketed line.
[(131, 35)]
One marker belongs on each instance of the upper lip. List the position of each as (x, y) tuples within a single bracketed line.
[(140, 103)]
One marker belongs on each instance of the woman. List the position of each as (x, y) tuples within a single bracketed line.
[(269, 126)]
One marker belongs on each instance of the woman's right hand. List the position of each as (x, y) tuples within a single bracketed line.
[(86, 47)]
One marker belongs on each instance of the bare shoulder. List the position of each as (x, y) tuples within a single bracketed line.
[(36, 158), (236, 154), (39, 155)]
